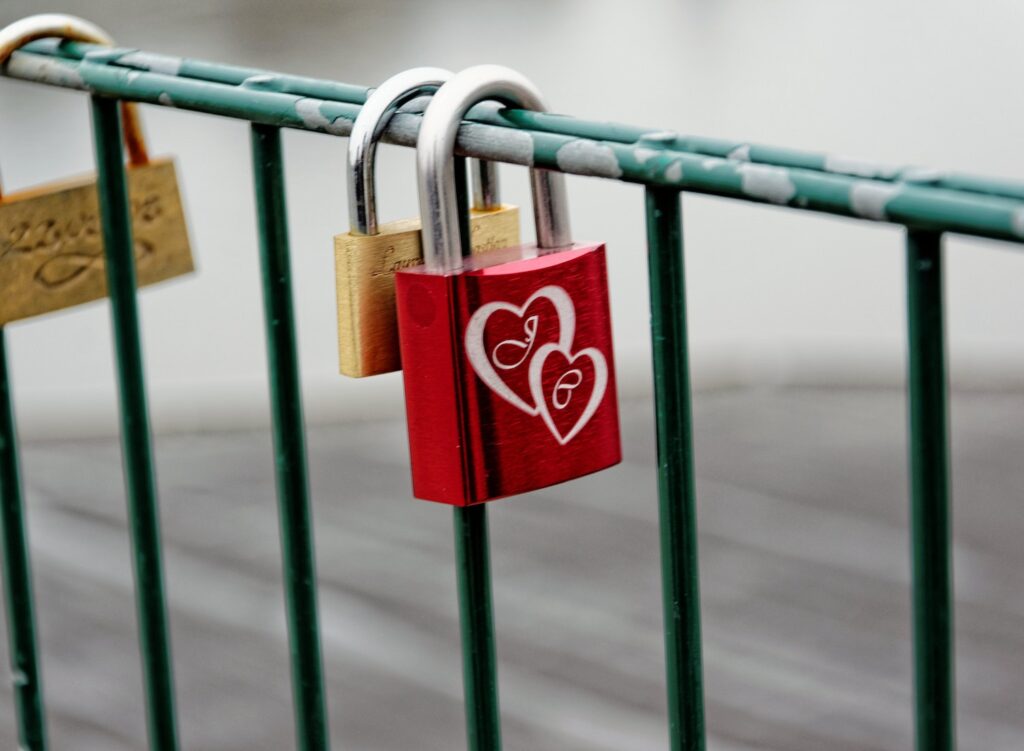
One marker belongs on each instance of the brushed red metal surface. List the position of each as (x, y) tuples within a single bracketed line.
[(509, 373)]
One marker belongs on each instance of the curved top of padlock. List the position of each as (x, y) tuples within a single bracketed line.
[(373, 118), (435, 149), (46, 25)]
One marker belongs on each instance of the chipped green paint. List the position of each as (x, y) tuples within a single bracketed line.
[(917, 197)]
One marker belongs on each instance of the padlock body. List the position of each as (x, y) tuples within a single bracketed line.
[(51, 241), (365, 267), (509, 373)]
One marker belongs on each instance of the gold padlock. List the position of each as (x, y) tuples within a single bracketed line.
[(51, 242), (367, 257)]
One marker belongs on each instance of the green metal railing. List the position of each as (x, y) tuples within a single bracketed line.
[(928, 203)]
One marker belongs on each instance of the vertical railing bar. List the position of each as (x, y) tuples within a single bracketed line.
[(676, 486), (473, 574), (296, 520), (476, 620), (17, 574), (930, 495), (136, 440)]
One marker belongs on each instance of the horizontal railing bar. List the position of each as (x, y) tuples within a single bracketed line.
[(232, 75), (652, 161), (545, 122)]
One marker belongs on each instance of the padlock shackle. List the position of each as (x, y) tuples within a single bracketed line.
[(48, 25), (370, 124), (435, 151), (486, 192)]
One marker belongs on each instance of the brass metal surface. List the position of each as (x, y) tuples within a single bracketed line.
[(51, 243), (365, 266)]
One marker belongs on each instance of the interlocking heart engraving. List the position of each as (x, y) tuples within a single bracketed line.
[(540, 377)]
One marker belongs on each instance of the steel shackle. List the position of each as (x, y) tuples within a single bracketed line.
[(373, 118), (47, 25), (435, 151)]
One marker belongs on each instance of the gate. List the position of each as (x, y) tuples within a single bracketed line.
[(927, 203)]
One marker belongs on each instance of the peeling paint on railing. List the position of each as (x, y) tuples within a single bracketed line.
[(917, 197)]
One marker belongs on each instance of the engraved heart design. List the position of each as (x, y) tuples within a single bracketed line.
[(553, 404), (511, 354), (556, 377)]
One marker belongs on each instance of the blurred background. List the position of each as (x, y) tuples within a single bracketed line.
[(797, 329)]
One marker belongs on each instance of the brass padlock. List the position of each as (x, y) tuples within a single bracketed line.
[(367, 257), (51, 242)]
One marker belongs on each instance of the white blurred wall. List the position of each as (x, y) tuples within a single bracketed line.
[(775, 296)]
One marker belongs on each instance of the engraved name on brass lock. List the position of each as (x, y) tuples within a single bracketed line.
[(367, 257), (51, 243), (51, 240), (366, 266)]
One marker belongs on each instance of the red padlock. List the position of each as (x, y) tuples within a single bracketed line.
[(507, 355)]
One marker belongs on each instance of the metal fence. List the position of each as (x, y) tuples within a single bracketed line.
[(927, 203)]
